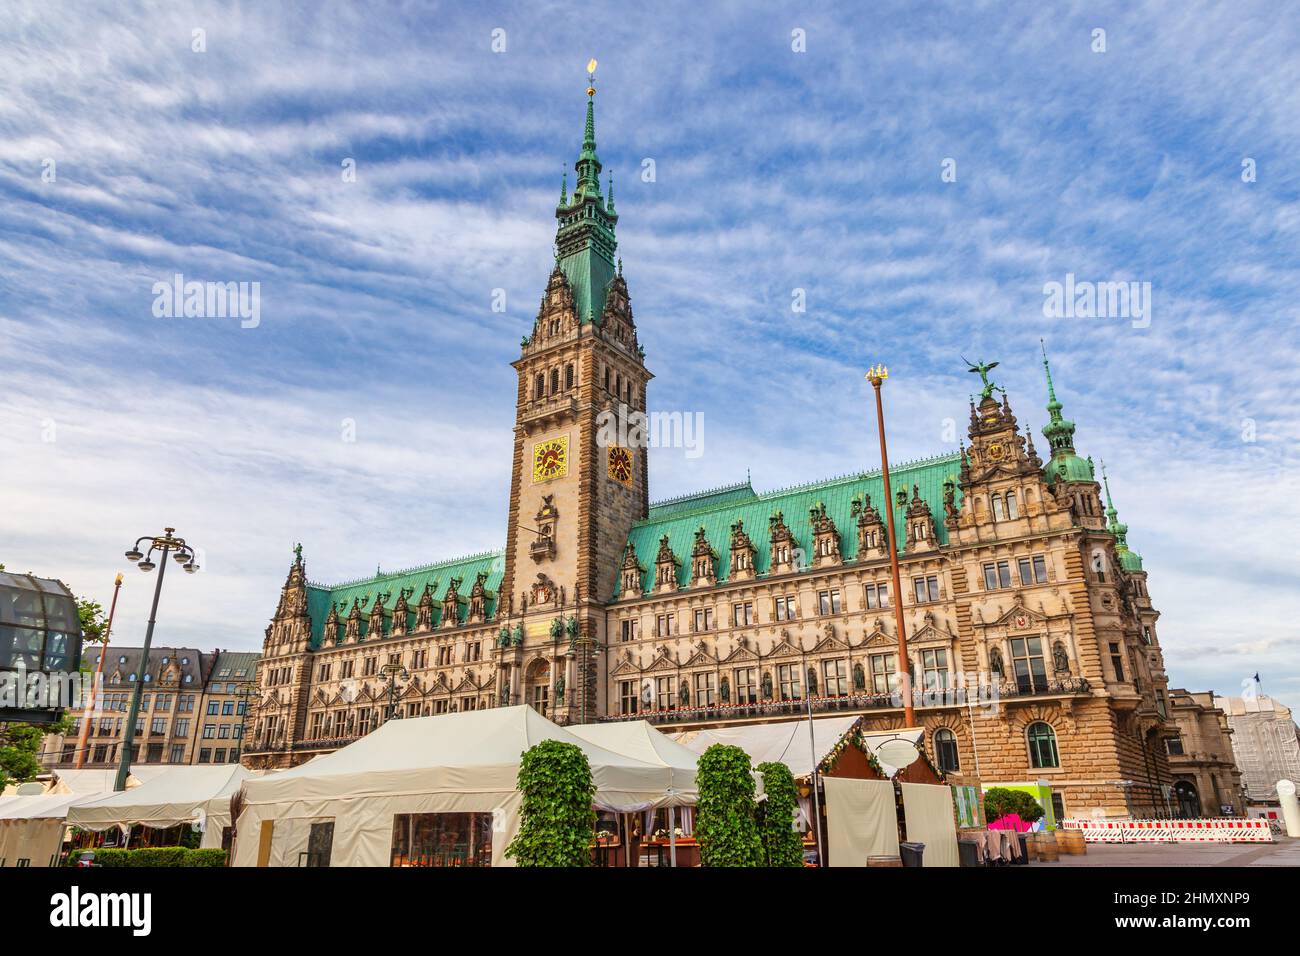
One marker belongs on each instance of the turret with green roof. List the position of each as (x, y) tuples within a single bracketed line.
[(1128, 560), (1065, 464), (584, 240)]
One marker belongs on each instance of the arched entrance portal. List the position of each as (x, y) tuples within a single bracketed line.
[(1189, 802), (537, 686)]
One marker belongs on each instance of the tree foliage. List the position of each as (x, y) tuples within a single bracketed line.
[(1000, 801), (726, 826), (782, 842), (558, 817)]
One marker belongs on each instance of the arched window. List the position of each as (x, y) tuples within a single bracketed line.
[(1012, 510), (607, 378), (555, 380), (997, 507), (568, 376), (945, 749), (1042, 746)]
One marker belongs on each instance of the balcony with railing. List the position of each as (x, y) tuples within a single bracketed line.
[(861, 703)]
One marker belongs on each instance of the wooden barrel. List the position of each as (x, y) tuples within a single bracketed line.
[(884, 861), (1071, 842), (1047, 849)]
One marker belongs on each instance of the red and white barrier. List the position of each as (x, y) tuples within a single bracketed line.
[(1209, 830)]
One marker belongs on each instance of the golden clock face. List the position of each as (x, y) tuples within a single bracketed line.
[(620, 465), (996, 451), (551, 459)]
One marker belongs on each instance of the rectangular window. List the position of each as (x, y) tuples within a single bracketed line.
[(877, 595), (783, 608), (627, 629), (704, 619), (835, 677), (1117, 661), (927, 588), (442, 839), (628, 697), (158, 726), (219, 755), (790, 684), (1174, 746), (934, 669), (213, 707), (177, 754), (665, 625), (205, 755), (883, 667), (742, 615), (1027, 664), (209, 731), (704, 690), (747, 685), (665, 699), (182, 727), (227, 708), (828, 602)]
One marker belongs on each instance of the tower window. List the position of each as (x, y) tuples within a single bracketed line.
[(539, 386), (555, 380), (607, 378), (568, 376), (1012, 511), (997, 508)]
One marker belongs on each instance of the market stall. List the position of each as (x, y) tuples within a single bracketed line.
[(426, 791), (183, 795)]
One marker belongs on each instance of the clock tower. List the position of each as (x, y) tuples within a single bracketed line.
[(578, 482)]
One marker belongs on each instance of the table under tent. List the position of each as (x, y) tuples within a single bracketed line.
[(183, 796), (860, 812), (427, 791), (660, 835)]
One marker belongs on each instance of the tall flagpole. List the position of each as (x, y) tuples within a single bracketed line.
[(83, 738), (877, 376)]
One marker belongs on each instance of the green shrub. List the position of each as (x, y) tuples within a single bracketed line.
[(558, 817), (782, 843), (725, 815), (152, 856), (212, 857), (1000, 801)]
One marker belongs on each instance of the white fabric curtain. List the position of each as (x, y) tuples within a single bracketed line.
[(860, 820), (928, 814)]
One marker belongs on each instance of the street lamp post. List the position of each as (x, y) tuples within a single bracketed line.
[(165, 544), (876, 376), (393, 672)]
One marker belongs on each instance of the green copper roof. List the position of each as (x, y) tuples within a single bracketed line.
[(319, 596), (717, 510), (702, 499), (584, 237)]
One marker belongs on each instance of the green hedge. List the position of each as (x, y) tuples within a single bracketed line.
[(152, 857), (558, 818), (725, 819)]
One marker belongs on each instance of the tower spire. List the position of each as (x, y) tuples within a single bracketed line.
[(1129, 560), (1059, 432), (584, 237)]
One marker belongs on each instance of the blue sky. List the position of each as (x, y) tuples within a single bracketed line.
[(775, 170)]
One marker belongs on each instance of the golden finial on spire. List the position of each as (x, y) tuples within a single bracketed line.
[(591, 77)]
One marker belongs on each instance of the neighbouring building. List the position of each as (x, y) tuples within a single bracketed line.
[(1206, 781), (194, 708), (739, 605), (1266, 743)]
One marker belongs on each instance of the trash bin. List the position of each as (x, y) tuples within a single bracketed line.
[(968, 853), (1023, 859), (911, 853)]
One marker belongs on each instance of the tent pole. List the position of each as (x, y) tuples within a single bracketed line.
[(672, 835), (817, 803)]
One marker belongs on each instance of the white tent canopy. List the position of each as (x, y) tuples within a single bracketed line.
[(788, 742), (638, 739), (181, 795), (101, 780), (452, 763)]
